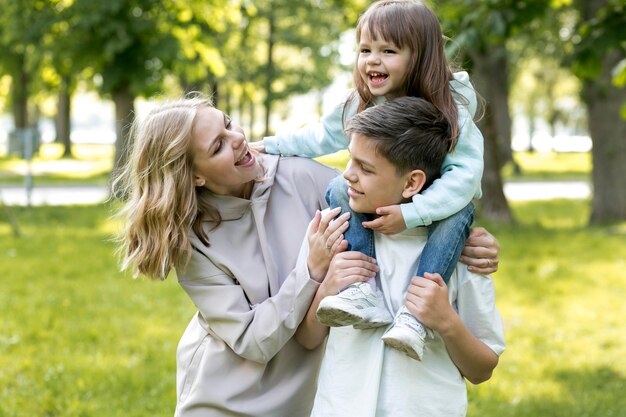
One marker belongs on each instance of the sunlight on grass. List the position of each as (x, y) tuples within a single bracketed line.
[(550, 165), (91, 164)]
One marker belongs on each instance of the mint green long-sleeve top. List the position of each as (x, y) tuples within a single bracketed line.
[(461, 171)]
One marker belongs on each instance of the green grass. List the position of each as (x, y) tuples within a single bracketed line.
[(77, 338), (550, 166), (91, 165)]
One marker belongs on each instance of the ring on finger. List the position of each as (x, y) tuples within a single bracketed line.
[(488, 262), (328, 247)]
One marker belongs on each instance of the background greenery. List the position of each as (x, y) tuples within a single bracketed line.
[(78, 338)]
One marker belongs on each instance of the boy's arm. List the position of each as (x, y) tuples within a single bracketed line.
[(315, 139), (462, 171), (427, 299)]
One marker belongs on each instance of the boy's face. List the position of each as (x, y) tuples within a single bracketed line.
[(373, 181)]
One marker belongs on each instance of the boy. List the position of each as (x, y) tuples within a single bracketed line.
[(396, 150)]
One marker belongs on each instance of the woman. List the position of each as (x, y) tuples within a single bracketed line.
[(232, 224)]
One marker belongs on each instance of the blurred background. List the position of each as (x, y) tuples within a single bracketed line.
[(78, 338)]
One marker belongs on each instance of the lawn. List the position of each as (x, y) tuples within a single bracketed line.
[(77, 338)]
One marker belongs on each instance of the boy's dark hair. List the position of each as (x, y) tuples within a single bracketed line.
[(409, 132)]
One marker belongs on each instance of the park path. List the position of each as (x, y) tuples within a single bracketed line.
[(58, 195)]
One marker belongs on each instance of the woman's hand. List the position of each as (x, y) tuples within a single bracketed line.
[(347, 268), (481, 252), (325, 238)]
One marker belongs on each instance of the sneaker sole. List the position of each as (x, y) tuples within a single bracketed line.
[(338, 318), (402, 347)]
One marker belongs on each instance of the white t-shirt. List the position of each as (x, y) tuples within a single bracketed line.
[(362, 377)]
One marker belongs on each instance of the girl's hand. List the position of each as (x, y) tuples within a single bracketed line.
[(481, 252), (258, 146), (427, 299), (390, 221), (347, 268), (325, 240)]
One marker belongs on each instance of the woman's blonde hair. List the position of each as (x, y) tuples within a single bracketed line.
[(162, 203)]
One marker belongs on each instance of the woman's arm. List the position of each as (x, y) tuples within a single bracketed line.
[(345, 269), (481, 252)]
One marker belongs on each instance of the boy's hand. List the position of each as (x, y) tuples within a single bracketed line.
[(257, 146), (390, 221), (427, 299)]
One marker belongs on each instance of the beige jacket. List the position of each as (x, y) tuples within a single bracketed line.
[(237, 356)]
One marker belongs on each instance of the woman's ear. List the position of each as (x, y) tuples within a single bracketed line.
[(415, 180), (198, 181)]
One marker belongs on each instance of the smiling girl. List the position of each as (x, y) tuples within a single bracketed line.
[(401, 53)]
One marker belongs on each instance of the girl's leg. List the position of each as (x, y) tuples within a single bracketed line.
[(359, 238), (446, 239), (360, 304)]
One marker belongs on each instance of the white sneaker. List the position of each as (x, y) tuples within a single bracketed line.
[(407, 335), (358, 304)]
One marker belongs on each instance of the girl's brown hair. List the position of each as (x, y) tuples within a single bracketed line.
[(410, 24)]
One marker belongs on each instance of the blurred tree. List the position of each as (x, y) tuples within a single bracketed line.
[(598, 54), (130, 45), (22, 27), (61, 68), (291, 47), (481, 31)]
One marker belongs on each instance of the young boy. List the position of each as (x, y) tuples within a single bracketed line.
[(396, 151)]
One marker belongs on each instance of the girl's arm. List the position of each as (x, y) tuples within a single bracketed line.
[(315, 139), (345, 269), (460, 180)]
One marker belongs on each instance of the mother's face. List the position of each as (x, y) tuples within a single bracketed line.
[(221, 157)]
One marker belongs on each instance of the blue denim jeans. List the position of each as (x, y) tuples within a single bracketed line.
[(446, 237)]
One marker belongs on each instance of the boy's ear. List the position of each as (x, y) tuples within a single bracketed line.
[(415, 180)]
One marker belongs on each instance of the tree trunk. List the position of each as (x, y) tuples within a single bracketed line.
[(19, 92), (63, 118), (499, 99), (269, 72), (124, 116), (608, 135), (494, 205)]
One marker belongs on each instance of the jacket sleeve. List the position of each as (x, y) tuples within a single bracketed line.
[(254, 332), (315, 139), (460, 178)]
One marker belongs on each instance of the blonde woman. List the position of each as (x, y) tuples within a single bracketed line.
[(232, 224)]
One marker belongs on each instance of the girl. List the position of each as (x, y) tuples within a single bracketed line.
[(401, 52)]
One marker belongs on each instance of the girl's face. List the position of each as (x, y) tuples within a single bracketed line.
[(222, 160), (382, 66)]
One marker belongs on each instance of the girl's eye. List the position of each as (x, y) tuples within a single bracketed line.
[(390, 51), (229, 123), (365, 170), (364, 50)]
